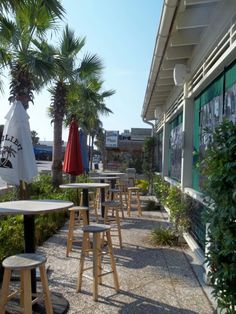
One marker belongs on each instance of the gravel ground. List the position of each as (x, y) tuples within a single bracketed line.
[(152, 279)]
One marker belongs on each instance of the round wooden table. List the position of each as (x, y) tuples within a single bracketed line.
[(30, 208), (85, 187)]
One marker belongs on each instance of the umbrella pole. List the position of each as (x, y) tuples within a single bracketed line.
[(24, 193), (29, 229), (72, 178)]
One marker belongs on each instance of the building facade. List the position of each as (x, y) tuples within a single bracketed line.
[(126, 149), (191, 88)]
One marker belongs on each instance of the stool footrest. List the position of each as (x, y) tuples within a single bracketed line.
[(88, 268), (10, 296), (106, 273)]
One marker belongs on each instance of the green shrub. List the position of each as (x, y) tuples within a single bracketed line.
[(163, 236), (11, 227), (219, 167), (178, 210), (161, 189), (143, 186), (47, 225), (11, 235)]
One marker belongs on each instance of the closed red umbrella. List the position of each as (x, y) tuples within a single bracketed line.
[(73, 159)]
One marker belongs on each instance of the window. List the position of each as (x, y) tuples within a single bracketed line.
[(175, 147), (217, 101), (159, 151)]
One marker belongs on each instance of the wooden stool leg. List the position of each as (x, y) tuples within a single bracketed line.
[(122, 206), (81, 199), (139, 204), (118, 227), (22, 291), (112, 260), (84, 217), (129, 203), (99, 262), (27, 297), (82, 257), (70, 232), (106, 221), (46, 292), (95, 265), (5, 289)]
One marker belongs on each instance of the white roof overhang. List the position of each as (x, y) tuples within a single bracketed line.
[(182, 25)]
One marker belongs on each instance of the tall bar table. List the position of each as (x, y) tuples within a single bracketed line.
[(85, 187), (30, 208)]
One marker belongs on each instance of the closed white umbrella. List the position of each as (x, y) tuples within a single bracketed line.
[(17, 159)]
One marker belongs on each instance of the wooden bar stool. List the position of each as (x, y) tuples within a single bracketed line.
[(83, 213), (133, 195), (24, 263), (117, 196), (92, 202), (97, 231), (112, 207)]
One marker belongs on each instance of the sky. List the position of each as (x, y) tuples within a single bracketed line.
[(122, 33)]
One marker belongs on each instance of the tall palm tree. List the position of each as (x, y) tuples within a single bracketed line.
[(88, 108), (68, 76), (23, 27), (53, 6), (100, 142), (23, 33)]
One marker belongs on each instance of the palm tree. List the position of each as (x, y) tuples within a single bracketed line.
[(53, 6), (23, 28), (100, 142), (23, 48), (88, 107), (67, 79)]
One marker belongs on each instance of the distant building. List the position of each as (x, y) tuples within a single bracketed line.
[(43, 150), (125, 149)]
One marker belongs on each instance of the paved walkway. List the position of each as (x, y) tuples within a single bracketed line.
[(152, 279)]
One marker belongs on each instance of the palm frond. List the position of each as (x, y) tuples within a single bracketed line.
[(5, 56), (40, 66), (10, 5), (108, 93), (54, 7), (70, 46), (90, 65), (7, 30)]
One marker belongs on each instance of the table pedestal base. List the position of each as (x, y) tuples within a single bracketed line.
[(59, 303)]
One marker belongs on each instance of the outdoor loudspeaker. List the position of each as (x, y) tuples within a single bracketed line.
[(158, 111), (180, 74)]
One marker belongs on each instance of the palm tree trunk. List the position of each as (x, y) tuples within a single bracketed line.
[(57, 153), (90, 156), (92, 143)]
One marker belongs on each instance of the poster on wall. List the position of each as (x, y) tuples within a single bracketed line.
[(230, 104), (112, 139), (176, 142), (210, 117), (159, 151), (211, 114)]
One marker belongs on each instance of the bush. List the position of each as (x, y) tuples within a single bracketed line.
[(178, 210), (11, 227), (143, 186), (161, 189), (220, 169), (163, 236)]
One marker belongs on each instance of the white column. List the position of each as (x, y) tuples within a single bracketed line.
[(187, 150), (165, 148)]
